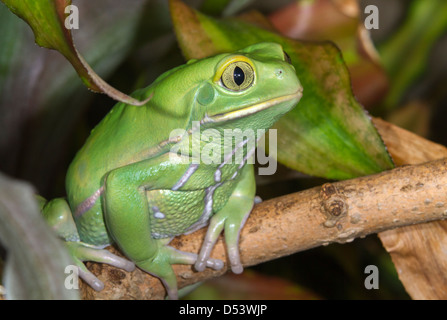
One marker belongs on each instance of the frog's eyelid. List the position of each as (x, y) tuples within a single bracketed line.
[(220, 70)]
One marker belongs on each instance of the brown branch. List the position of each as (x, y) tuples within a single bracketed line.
[(418, 252), (337, 212)]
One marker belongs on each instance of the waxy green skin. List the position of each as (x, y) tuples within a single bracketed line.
[(124, 186)]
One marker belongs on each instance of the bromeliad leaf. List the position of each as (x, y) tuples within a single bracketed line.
[(328, 134), (36, 259), (47, 20)]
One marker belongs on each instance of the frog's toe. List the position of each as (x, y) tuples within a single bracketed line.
[(90, 278), (81, 252), (214, 230), (172, 293), (234, 257), (215, 264), (86, 252), (105, 256), (203, 259), (181, 257)]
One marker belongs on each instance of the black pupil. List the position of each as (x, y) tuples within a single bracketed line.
[(238, 76)]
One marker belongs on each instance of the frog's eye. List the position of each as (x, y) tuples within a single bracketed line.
[(238, 76)]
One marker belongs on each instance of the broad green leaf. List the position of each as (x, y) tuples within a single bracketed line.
[(36, 259), (328, 134), (47, 20)]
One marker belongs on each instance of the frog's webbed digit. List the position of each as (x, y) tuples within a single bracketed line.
[(230, 218), (81, 252)]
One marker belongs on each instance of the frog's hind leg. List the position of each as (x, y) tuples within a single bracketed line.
[(58, 215), (128, 221)]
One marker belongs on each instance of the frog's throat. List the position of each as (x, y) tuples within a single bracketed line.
[(252, 109)]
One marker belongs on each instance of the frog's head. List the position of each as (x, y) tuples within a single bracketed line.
[(248, 89)]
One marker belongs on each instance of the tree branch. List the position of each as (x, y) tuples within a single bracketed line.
[(418, 252), (335, 212)]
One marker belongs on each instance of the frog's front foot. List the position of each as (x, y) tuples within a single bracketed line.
[(230, 218), (81, 252), (232, 224)]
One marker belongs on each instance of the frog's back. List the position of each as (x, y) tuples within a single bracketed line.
[(113, 143), (127, 134), (107, 147)]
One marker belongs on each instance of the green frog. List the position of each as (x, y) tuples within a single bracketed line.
[(138, 180)]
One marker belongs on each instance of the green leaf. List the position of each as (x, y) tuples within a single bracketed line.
[(36, 258), (47, 20), (328, 134), (42, 101)]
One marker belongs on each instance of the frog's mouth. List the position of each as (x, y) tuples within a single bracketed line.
[(252, 109)]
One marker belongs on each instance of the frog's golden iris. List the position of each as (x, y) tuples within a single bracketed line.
[(238, 76)]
